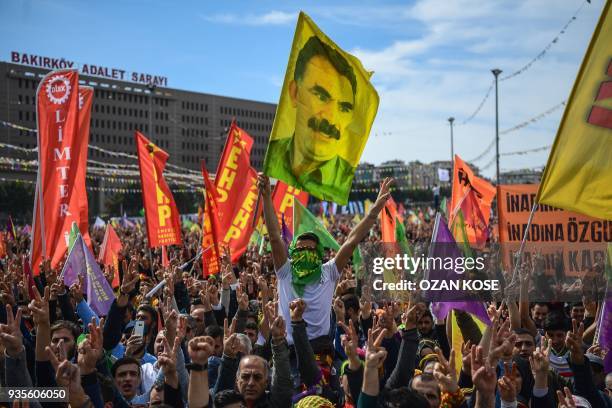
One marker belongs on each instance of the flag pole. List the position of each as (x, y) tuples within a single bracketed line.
[(522, 247)]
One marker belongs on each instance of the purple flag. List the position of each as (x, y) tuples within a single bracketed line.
[(286, 235), (81, 261), (605, 331), (75, 263), (443, 246)]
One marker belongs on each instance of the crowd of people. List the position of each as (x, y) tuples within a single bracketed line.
[(293, 326)]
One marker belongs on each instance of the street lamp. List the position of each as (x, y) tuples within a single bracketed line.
[(496, 73), (451, 120)]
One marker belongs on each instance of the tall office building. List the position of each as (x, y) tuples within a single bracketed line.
[(190, 126)]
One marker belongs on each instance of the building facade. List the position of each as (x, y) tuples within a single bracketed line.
[(190, 126), (408, 176), (524, 176)]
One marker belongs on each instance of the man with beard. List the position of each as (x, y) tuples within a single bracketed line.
[(323, 94)]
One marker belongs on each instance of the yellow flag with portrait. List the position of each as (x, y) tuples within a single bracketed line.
[(323, 119), (578, 175)]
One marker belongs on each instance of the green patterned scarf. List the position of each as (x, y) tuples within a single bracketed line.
[(305, 266)]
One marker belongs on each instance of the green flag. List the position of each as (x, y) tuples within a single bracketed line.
[(74, 233), (357, 263), (400, 237), (305, 221), (443, 208)]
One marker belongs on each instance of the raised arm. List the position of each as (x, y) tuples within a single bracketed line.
[(307, 365), (39, 307), (200, 348), (359, 232), (281, 388), (525, 318), (279, 252)]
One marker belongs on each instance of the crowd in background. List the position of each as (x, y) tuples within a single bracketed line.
[(292, 327)]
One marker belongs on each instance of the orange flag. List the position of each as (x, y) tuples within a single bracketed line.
[(162, 216), (236, 183), (283, 197), (387, 221), (473, 196), (62, 158), (109, 252), (211, 228)]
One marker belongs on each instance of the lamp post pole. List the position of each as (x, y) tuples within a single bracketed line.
[(451, 120), (496, 73)]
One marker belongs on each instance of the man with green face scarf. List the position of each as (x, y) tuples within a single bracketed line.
[(303, 274)]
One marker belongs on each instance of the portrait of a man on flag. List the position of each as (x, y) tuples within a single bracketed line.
[(323, 119)]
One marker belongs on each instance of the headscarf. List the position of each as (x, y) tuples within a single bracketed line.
[(314, 401), (305, 264), (524, 370)]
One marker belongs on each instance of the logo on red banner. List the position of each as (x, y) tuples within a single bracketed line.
[(58, 89)]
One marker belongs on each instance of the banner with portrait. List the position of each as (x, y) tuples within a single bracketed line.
[(323, 119)]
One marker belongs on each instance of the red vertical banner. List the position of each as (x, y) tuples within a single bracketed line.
[(161, 215), (86, 94), (283, 197), (61, 161), (211, 228), (236, 183)]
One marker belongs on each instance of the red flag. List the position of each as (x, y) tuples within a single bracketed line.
[(236, 183), (27, 272), (164, 257), (86, 94), (109, 252), (210, 229), (283, 197), (478, 206), (2, 245), (161, 214), (61, 163), (475, 223)]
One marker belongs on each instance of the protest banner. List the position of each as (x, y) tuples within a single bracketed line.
[(86, 95), (236, 184), (211, 230), (569, 242), (62, 159), (161, 215), (323, 120)]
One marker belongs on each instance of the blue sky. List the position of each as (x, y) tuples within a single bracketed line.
[(431, 58)]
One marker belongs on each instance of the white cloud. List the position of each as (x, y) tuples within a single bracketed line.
[(444, 70), (270, 18)]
